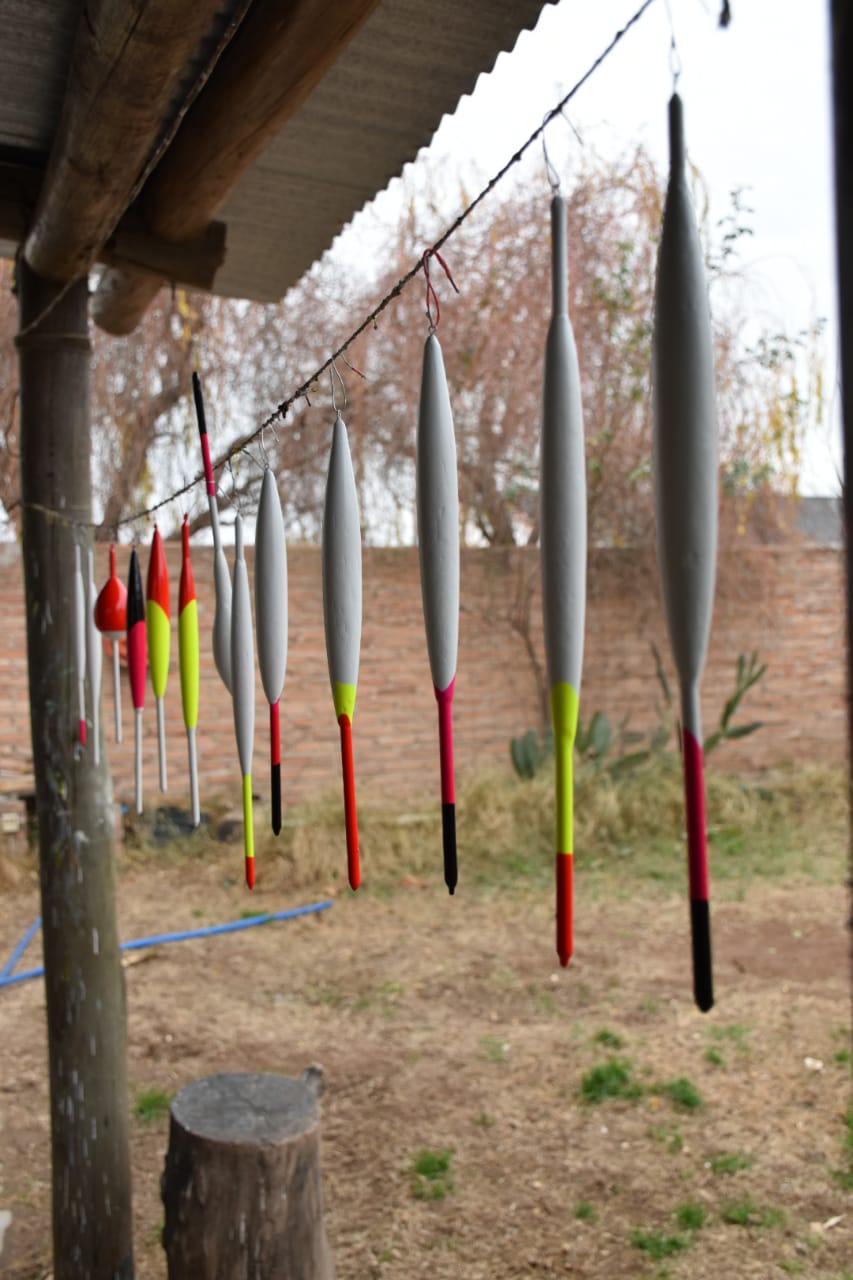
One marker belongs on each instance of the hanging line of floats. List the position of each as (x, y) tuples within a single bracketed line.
[(685, 476)]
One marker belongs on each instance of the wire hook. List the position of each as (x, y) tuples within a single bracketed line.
[(431, 295)]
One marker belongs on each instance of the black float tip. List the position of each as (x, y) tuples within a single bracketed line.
[(700, 930), (276, 798), (448, 835)]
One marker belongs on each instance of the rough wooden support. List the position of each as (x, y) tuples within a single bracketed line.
[(241, 1187), (84, 989), (280, 53), (126, 66)]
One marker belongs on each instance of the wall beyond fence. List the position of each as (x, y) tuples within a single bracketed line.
[(785, 601)]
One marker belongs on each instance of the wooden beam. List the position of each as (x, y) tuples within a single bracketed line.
[(193, 263), (279, 55), (126, 67)]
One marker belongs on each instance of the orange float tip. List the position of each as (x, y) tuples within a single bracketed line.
[(250, 873), (82, 733)]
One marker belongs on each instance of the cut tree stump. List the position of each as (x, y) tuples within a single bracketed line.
[(242, 1187)]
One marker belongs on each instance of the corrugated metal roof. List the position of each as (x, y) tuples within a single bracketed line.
[(375, 109)]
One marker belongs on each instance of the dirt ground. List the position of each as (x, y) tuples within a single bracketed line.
[(445, 1024)]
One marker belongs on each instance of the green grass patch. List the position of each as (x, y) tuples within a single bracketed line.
[(746, 1213), (714, 1058), (844, 1177), (727, 1162), (682, 1092), (432, 1176), (657, 1244), (584, 1211), (495, 1049), (152, 1105), (610, 1079), (690, 1216), (609, 1039), (484, 1120)]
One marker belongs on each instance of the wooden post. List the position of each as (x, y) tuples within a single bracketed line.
[(242, 1187), (83, 978)]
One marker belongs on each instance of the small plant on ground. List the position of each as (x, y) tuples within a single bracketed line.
[(432, 1177), (584, 1211), (729, 1162), (610, 1080), (690, 1216), (610, 1039), (152, 1105), (844, 1177), (657, 1244), (494, 1048), (682, 1092), (714, 1058), (746, 1213)]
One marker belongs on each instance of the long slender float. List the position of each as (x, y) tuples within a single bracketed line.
[(80, 645), (188, 659), (438, 548), (94, 655), (137, 659), (243, 691), (685, 470), (159, 637), (342, 616), (271, 621), (221, 580), (111, 619), (562, 489)]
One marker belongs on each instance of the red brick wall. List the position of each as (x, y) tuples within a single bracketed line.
[(785, 602)]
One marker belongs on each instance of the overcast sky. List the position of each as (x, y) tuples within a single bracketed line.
[(756, 101)]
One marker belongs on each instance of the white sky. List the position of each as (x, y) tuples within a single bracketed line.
[(756, 100)]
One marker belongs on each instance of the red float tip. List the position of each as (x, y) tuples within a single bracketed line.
[(565, 904), (83, 733), (250, 873)]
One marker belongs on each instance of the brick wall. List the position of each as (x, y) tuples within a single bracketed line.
[(787, 602)]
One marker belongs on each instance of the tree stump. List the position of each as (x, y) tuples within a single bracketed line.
[(241, 1186)]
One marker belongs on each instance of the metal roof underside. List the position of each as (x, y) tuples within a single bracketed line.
[(377, 106)]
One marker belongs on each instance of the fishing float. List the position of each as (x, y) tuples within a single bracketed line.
[(80, 645), (94, 656), (188, 661), (437, 498), (243, 690), (221, 580), (341, 553), (271, 621), (111, 619), (136, 660), (159, 636), (685, 472), (562, 498)]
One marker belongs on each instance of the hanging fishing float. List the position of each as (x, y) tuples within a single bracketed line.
[(221, 580), (94, 656), (80, 645), (188, 657), (243, 691), (111, 619), (136, 661), (342, 616), (685, 472), (159, 639), (438, 548), (562, 496), (271, 621)]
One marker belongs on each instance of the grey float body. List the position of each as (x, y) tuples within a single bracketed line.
[(222, 588), (341, 563), (438, 516), (685, 458), (94, 658), (562, 481), (271, 589), (242, 656)]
